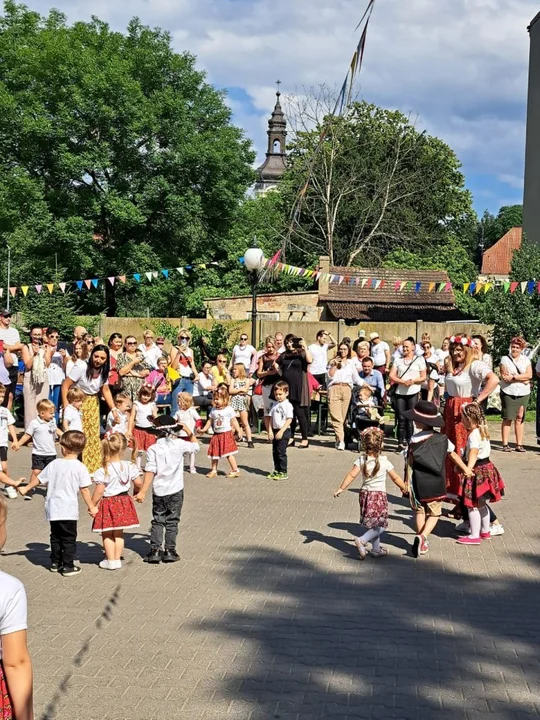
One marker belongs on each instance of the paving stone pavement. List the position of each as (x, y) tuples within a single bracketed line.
[(271, 615)]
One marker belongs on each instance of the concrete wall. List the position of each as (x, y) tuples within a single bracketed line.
[(281, 306), (531, 196)]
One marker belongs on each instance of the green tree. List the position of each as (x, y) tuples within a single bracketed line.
[(117, 155), (375, 184)]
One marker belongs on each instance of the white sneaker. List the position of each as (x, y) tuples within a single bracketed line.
[(193, 471), (463, 527), (496, 530), (341, 446), (110, 564), (11, 492)]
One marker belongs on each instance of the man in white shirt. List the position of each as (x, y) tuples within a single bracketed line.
[(9, 335), (380, 352), (319, 353), (280, 343), (244, 354), (150, 351)]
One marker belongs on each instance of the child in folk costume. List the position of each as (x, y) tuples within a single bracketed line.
[(238, 390), (223, 421), (143, 412), (373, 469), (485, 483), (116, 510), (187, 415), (425, 470)]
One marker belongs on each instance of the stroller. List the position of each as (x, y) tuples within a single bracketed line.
[(363, 412)]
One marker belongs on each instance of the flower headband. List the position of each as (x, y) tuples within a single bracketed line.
[(461, 340)]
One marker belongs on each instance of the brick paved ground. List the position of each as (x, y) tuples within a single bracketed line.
[(271, 615)]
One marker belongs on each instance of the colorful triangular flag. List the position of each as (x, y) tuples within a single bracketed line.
[(79, 284), (523, 287), (506, 286), (111, 279), (13, 291), (181, 270), (431, 287), (137, 277), (24, 289), (50, 287), (88, 283), (466, 287), (62, 286), (149, 276), (38, 288), (95, 282), (165, 273), (530, 287), (122, 278), (513, 286), (154, 273)]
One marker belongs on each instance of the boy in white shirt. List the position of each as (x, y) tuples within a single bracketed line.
[(281, 416), (165, 469), (72, 418), (42, 432), (118, 421), (7, 427), (64, 477)]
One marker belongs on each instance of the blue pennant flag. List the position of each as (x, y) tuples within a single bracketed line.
[(95, 282), (190, 267), (241, 260), (417, 287), (472, 288), (165, 273), (137, 276), (530, 286), (79, 284)]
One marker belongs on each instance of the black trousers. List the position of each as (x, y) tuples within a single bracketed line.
[(63, 543), (300, 416), (402, 403), (538, 410), (166, 511), (279, 451)]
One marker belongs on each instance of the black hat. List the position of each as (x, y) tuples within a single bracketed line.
[(164, 424), (6, 313), (426, 413)]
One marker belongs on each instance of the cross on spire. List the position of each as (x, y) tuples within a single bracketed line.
[(278, 83)]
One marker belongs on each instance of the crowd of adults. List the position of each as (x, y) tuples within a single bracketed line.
[(324, 377)]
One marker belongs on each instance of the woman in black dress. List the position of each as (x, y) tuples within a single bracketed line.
[(293, 365)]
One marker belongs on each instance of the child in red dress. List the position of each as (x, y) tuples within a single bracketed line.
[(223, 420)]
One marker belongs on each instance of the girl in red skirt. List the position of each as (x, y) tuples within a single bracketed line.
[(373, 469), (222, 419), (486, 484), (142, 416), (116, 510), (15, 663)]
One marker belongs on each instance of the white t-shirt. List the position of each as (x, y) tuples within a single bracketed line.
[(281, 412), (73, 417), (90, 386), (475, 442), (142, 412), (320, 358), (409, 371), (6, 419), (13, 606), (202, 384), (151, 354), (43, 435), (64, 478), (522, 363), (166, 460), (378, 481), (118, 478), (347, 374), (243, 355), (122, 426), (468, 382), (55, 371), (187, 417), (378, 353), (221, 419), (442, 354), (10, 336)]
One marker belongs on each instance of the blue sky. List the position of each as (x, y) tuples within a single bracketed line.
[(458, 66)]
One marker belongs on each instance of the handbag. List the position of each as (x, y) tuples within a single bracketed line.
[(258, 389)]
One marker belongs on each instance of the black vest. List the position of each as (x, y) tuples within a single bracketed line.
[(427, 459)]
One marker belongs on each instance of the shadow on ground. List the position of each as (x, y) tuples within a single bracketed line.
[(388, 638)]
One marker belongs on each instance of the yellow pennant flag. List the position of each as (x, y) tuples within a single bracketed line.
[(403, 285), (431, 287), (479, 286), (50, 287), (466, 286), (487, 286), (24, 288)]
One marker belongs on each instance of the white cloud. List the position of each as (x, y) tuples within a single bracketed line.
[(461, 65)]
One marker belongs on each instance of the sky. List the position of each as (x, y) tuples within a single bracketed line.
[(459, 67)]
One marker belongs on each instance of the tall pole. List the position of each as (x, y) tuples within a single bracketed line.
[(8, 275), (254, 308)]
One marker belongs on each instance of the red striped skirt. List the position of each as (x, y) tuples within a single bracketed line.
[(486, 485), (143, 439), (6, 711), (457, 434), (222, 445), (115, 513)]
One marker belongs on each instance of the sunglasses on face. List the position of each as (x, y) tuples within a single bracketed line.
[(90, 342), (243, 339), (131, 342), (221, 361), (53, 337)]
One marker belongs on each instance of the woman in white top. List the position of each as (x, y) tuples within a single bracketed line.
[(92, 377), (55, 370), (245, 354), (465, 379), (407, 374), (342, 375), (183, 362), (516, 375), (37, 358), (204, 386)]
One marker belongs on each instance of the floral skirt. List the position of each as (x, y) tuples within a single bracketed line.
[(143, 439), (457, 434), (373, 509), (222, 445), (485, 485), (92, 455), (6, 711), (240, 403), (115, 513)]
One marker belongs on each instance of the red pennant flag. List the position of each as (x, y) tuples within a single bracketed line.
[(122, 278), (13, 291), (513, 286)]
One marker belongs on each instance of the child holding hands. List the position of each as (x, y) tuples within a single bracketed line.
[(222, 419), (7, 430)]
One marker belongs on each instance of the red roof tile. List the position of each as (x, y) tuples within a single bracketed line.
[(498, 259)]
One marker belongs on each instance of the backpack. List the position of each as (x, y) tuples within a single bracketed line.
[(427, 459)]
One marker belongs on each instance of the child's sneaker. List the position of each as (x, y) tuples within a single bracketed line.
[(281, 476), (468, 540), (272, 475), (68, 572), (11, 492), (496, 530), (424, 545), (54, 568)]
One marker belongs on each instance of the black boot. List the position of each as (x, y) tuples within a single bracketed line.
[(170, 556), (154, 556)]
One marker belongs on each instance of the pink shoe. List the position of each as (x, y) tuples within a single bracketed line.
[(485, 536), (468, 540)]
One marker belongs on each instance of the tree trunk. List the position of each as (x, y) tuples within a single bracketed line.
[(111, 306)]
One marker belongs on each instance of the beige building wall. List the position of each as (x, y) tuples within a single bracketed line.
[(285, 307)]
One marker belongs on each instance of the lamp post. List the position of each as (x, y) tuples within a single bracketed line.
[(253, 261), (8, 276)]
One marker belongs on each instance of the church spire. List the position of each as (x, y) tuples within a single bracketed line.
[(275, 164)]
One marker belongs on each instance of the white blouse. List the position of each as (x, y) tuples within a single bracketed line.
[(347, 375), (468, 382), (522, 363)]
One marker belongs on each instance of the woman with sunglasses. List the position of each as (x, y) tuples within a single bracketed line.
[(132, 368), (182, 361), (220, 371), (342, 376), (37, 358), (244, 354), (55, 371), (293, 366)]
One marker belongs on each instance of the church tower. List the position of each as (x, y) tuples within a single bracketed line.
[(270, 172)]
